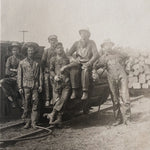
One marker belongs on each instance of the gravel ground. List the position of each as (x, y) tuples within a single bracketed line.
[(98, 133)]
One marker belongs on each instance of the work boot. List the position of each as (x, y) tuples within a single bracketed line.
[(73, 95), (27, 125), (51, 116), (47, 103), (84, 95), (58, 120), (33, 125), (117, 122)]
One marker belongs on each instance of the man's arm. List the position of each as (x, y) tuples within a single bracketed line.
[(94, 52), (52, 68), (8, 70), (40, 79), (20, 76), (100, 63), (72, 49), (43, 59)]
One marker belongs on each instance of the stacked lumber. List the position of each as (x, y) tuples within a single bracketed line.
[(138, 68)]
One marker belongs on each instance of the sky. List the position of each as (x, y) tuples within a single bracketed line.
[(125, 22)]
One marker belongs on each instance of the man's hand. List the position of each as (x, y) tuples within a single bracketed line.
[(40, 89), (63, 69), (21, 91), (15, 70), (57, 78), (95, 75), (86, 65)]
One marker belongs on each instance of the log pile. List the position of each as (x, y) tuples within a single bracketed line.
[(138, 68)]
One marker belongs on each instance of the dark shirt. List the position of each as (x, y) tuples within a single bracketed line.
[(47, 55), (88, 53), (12, 63), (56, 64)]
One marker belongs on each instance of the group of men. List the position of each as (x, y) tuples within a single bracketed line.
[(61, 73)]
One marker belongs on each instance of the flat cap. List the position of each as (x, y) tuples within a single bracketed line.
[(85, 30), (59, 44)]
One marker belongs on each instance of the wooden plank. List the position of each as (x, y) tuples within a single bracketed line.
[(136, 85)]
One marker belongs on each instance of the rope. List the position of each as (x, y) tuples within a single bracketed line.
[(29, 138)]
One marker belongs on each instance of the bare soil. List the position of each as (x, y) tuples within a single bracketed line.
[(97, 133)]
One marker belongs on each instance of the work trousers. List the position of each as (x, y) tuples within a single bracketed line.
[(9, 87), (80, 77), (47, 86), (120, 96), (31, 105), (59, 104)]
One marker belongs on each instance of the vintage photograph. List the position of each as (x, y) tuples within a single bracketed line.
[(74, 75)]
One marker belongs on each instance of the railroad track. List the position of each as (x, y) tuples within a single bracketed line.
[(49, 129)]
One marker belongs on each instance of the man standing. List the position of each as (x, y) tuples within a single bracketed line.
[(86, 54), (30, 83), (118, 82), (61, 84), (9, 84), (45, 61)]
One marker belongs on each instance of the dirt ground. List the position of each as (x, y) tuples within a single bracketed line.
[(95, 133)]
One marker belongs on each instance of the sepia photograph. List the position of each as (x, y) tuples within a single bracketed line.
[(74, 75)]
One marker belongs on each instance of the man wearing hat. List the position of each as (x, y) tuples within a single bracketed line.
[(30, 84), (9, 84), (86, 54), (61, 84), (118, 82), (45, 61)]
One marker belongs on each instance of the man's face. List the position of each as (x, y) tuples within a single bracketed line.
[(53, 42), (30, 52), (15, 50), (59, 50), (84, 36)]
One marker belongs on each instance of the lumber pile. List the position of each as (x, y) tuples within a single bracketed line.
[(138, 68)]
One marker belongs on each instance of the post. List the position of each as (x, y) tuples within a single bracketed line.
[(23, 33)]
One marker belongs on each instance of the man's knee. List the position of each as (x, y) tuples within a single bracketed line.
[(2, 82), (75, 71)]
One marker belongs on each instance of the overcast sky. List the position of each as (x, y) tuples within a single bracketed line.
[(126, 22)]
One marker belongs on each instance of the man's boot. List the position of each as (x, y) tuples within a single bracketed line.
[(58, 120), (84, 95), (51, 116), (73, 95), (33, 125), (27, 125)]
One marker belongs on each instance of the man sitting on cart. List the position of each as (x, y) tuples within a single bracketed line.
[(86, 54), (9, 84)]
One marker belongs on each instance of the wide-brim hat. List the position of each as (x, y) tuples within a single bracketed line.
[(85, 30), (15, 44), (107, 42), (26, 45), (52, 37)]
